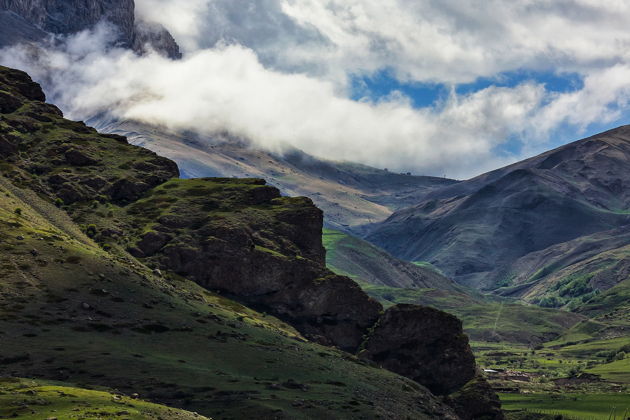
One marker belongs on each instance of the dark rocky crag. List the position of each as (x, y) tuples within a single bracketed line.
[(239, 237), (242, 238), (436, 355), (68, 17)]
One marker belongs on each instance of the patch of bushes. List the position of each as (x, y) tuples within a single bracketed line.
[(91, 231)]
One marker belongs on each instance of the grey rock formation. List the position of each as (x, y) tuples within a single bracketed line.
[(424, 344), (71, 16), (14, 29)]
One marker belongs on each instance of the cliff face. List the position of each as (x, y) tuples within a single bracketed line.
[(63, 17), (424, 344), (238, 237), (67, 17)]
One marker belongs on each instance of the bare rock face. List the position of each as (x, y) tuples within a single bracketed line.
[(424, 344), (71, 16)]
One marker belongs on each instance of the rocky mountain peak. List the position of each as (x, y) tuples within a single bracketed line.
[(71, 16)]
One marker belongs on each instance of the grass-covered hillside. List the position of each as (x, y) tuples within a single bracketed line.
[(71, 311), (77, 306), (34, 400)]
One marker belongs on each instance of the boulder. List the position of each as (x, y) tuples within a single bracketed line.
[(423, 344), (127, 190), (23, 84), (8, 103), (77, 157), (152, 242)]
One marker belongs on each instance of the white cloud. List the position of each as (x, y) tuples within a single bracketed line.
[(444, 41), (275, 72), (184, 19)]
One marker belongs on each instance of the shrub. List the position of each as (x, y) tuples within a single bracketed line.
[(551, 302), (18, 211), (91, 230)]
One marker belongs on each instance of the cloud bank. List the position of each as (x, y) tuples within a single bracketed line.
[(278, 72)]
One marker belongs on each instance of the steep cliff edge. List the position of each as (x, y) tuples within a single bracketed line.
[(237, 237), (68, 17)]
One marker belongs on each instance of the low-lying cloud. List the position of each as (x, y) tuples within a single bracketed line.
[(238, 76)]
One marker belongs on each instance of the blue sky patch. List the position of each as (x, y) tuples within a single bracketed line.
[(381, 84)]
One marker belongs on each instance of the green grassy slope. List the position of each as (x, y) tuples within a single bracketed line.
[(71, 311), (35, 400), (89, 314)]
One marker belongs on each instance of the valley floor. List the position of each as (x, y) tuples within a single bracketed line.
[(588, 380)]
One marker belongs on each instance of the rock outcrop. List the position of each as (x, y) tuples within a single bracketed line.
[(68, 17), (240, 237), (424, 344), (154, 36)]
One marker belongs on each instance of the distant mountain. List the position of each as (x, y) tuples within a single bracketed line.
[(33, 20), (367, 263), (495, 230), (351, 195), (486, 318)]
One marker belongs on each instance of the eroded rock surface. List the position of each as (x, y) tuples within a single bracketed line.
[(424, 344)]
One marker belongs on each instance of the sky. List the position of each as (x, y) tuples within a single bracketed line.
[(446, 87)]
